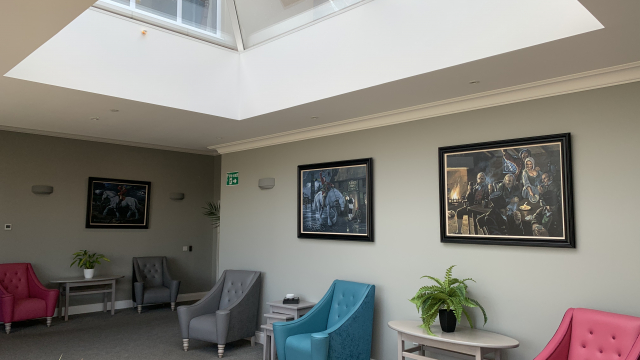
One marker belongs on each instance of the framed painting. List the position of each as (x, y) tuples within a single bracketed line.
[(118, 204), (509, 192), (335, 200)]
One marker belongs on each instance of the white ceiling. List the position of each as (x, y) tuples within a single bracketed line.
[(272, 108)]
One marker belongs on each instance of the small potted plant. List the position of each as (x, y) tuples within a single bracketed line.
[(446, 299), (87, 261)]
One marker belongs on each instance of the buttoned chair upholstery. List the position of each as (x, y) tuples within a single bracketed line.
[(22, 296), (227, 313), (152, 283), (591, 334), (339, 327)]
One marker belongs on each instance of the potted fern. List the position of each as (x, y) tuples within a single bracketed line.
[(87, 261), (446, 299)]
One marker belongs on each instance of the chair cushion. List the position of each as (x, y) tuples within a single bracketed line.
[(236, 283), (151, 269), (157, 295), (203, 328), (298, 347), (601, 335), (345, 296), (29, 308), (14, 279)]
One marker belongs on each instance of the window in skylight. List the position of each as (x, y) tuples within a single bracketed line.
[(203, 19)]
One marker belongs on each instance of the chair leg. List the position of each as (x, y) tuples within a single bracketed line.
[(173, 306), (185, 344), (49, 322), (139, 309), (7, 327), (220, 351)]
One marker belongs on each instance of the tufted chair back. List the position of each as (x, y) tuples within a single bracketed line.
[(602, 335), (346, 295), (236, 283), (149, 270), (14, 279)]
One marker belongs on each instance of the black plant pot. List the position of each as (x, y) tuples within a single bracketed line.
[(447, 320)]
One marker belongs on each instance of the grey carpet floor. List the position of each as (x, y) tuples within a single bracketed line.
[(152, 335)]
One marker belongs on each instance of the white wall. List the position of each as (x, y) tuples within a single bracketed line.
[(525, 290)]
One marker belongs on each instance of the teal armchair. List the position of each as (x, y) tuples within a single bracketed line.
[(339, 327)]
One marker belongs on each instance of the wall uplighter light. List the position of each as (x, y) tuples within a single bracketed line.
[(176, 196), (42, 189), (266, 183)]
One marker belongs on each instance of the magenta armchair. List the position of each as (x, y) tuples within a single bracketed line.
[(591, 334), (22, 296)]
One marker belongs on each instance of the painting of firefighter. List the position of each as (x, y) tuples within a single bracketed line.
[(118, 204), (511, 192), (335, 200)]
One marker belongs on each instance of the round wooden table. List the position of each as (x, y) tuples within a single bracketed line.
[(464, 340)]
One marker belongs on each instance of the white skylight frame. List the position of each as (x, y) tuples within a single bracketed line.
[(178, 26)]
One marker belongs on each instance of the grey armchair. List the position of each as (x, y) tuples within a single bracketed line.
[(152, 283), (228, 312)]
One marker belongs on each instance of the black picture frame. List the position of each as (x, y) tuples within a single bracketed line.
[(105, 208), (353, 177), (459, 157)]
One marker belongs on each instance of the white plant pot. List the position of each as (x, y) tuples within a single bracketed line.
[(88, 273)]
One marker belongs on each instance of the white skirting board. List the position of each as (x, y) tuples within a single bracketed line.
[(123, 304)]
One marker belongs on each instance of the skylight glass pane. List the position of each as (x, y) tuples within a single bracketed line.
[(203, 19), (266, 19)]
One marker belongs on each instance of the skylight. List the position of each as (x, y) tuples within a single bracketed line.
[(236, 24)]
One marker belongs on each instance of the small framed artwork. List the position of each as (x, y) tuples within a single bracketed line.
[(335, 200), (509, 192), (118, 204)]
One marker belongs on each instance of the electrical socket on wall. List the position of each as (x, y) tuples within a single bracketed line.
[(185, 248), (7, 226)]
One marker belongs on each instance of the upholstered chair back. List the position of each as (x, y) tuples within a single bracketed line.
[(149, 270), (602, 335), (236, 283), (346, 295), (14, 279)]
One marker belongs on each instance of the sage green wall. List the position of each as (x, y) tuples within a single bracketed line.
[(525, 290), (48, 228)]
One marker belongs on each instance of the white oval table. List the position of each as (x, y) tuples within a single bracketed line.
[(464, 340)]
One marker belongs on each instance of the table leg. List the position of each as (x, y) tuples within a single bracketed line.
[(478, 353), (104, 302), (497, 354), (265, 346), (61, 290), (66, 302), (273, 347), (400, 347), (113, 297)]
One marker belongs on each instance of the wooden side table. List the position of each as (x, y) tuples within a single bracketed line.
[(281, 312), (297, 310), (98, 285), (464, 340)]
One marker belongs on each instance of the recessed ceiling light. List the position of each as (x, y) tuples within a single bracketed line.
[(474, 82), (114, 110), (314, 118), (95, 118)]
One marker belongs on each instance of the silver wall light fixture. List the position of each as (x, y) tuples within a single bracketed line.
[(266, 183), (176, 196), (42, 189)]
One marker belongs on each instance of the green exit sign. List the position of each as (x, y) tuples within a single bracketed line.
[(232, 178)]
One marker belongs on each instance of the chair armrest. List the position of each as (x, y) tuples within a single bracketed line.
[(558, 346), (6, 305), (313, 321), (242, 318), (351, 337), (37, 290), (138, 288), (174, 286), (209, 304), (320, 346)]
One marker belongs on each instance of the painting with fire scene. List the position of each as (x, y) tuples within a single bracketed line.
[(118, 204), (510, 192), (335, 200)]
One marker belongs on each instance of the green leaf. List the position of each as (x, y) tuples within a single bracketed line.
[(481, 308), (434, 279), (466, 314)]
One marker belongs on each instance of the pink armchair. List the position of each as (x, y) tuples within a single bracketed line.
[(591, 334), (22, 296)]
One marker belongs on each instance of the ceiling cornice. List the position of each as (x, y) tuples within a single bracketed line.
[(107, 141), (558, 86)]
